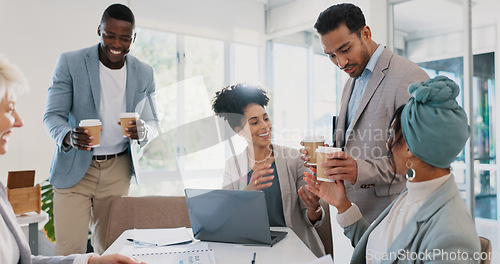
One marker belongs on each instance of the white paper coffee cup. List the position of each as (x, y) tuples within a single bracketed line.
[(94, 128), (321, 153), (310, 144), (125, 118)]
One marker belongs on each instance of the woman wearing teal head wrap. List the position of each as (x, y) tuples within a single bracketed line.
[(434, 125), (428, 222)]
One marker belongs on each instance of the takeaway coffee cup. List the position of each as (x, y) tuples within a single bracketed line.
[(125, 118), (94, 128), (321, 153), (310, 144)]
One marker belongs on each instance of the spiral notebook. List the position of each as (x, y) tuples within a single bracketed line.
[(201, 256)]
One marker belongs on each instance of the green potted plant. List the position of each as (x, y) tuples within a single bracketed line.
[(48, 207)]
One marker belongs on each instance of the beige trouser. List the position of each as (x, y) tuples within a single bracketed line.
[(88, 202)]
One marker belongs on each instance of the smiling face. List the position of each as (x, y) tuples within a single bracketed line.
[(8, 119), (258, 126), (349, 51), (116, 38)]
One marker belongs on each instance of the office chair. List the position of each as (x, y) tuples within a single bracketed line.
[(146, 212), (485, 250)]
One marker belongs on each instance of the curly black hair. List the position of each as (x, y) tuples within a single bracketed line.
[(230, 102)]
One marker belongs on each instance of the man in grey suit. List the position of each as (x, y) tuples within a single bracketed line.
[(377, 86), (99, 82)]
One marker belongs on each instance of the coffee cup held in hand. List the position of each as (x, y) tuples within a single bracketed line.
[(94, 128), (310, 144), (125, 119), (321, 153)]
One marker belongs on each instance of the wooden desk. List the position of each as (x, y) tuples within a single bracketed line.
[(289, 250), (31, 220)]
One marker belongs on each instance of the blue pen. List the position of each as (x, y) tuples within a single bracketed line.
[(158, 245), (253, 260)]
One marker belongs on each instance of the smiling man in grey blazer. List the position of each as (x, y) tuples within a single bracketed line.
[(377, 86), (98, 82)]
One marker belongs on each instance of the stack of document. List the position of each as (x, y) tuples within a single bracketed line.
[(161, 237)]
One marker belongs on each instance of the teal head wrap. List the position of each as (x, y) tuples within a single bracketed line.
[(434, 126)]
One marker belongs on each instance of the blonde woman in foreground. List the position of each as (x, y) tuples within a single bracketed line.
[(14, 247)]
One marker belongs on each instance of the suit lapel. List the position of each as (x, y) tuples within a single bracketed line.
[(432, 204), (376, 79), (281, 167), (242, 164), (92, 61), (342, 120), (404, 239), (132, 82)]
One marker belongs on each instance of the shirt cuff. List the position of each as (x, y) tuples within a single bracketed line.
[(84, 258), (350, 216)]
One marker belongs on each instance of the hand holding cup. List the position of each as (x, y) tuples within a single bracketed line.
[(86, 136), (132, 126), (310, 144)]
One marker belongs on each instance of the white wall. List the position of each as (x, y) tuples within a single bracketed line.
[(35, 32), (302, 14)]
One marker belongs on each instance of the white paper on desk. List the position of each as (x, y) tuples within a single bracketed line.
[(327, 259), (193, 253), (131, 250), (162, 237)]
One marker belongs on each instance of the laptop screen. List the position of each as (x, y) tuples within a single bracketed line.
[(234, 216)]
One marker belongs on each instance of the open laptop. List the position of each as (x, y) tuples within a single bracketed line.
[(232, 216)]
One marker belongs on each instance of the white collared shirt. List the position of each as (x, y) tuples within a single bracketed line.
[(359, 87)]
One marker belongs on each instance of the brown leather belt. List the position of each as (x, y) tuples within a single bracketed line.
[(101, 158)]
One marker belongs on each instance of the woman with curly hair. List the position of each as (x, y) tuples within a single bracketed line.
[(276, 170)]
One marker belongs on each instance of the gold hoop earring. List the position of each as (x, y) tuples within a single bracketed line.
[(410, 174)]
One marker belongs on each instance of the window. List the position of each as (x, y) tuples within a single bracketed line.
[(188, 72), (484, 126), (304, 90)]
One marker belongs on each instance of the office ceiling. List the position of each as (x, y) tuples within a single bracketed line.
[(415, 16), (438, 15)]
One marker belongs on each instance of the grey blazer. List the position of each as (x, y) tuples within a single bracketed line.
[(291, 177), (75, 94), (442, 223), (10, 220), (386, 90)]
